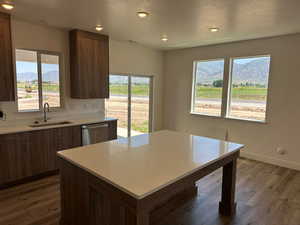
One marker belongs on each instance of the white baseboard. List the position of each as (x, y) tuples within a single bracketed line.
[(271, 160)]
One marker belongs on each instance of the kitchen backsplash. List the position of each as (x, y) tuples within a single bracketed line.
[(72, 108)]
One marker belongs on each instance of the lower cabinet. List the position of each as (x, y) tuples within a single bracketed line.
[(32, 153)]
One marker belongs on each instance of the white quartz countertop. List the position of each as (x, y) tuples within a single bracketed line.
[(25, 127), (143, 164)]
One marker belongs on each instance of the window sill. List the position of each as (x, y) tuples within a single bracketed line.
[(229, 118), (247, 120), (205, 115)]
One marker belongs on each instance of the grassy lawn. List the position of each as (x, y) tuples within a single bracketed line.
[(50, 87), (22, 85), (244, 93), (140, 127), (137, 90), (46, 86)]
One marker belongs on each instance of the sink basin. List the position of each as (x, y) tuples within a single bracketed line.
[(47, 124)]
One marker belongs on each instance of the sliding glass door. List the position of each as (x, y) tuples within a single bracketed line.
[(131, 102)]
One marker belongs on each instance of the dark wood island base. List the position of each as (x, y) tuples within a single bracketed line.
[(89, 200)]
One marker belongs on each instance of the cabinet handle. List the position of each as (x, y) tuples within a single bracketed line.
[(96, 126)]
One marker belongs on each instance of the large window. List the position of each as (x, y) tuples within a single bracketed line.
[(246, 88), (207, 87), (249, 88), (38, 79)]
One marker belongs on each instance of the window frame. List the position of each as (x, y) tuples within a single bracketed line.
[(229, 92), (39, 71), (194, 85), (227, 88)]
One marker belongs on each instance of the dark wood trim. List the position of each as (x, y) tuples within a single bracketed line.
[(227, 206), (167, 192), (85, 197), (7, 84), (173, 203)]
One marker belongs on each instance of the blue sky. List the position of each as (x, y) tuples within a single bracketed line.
[(23, 67), (246, 60)]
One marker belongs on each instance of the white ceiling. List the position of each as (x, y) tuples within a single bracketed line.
[(186, 22)]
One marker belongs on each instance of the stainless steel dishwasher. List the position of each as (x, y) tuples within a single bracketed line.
[(95, 133)]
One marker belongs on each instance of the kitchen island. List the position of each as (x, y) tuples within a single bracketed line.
[(138, 180)]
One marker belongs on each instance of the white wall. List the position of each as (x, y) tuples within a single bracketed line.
[(261, 140), (131, 58), (124, 58)]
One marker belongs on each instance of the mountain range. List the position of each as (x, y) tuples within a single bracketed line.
[(255, 71), (51, 76)]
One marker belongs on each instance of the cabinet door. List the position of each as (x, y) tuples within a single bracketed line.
[(45, 144), (32, 153), (67, 137), (15, 158), (42, 145), (89, 65), (7, 92)]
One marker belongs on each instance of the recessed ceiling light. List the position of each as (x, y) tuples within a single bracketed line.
[(142, 14), (164, 38), (214, 29), (8, 5), (99, 28)]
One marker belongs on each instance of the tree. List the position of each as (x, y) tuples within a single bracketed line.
[(218, 83)]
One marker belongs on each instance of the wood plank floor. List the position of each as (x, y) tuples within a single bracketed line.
[(266, 195)]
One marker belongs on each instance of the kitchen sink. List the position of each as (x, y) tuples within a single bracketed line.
[(46, 124)]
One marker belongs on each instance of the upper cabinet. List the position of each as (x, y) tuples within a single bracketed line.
[(89, 61), (7, 86)]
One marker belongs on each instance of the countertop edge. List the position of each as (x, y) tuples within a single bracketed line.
[(74, 122)]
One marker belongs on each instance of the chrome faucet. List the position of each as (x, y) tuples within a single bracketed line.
[(46, 109)]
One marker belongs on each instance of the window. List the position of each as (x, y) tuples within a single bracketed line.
[(207, 87), (249, 88), (38, 79), (246, 95)]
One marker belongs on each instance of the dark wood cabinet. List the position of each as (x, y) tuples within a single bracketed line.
[(27, 155), (89, 65), (14, 157), (7, 86), (32, 153)]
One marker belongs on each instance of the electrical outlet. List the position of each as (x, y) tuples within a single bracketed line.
[(2, 115), (281, 151)]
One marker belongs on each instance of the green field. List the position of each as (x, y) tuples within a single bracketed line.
[(46, 86), (244, 93), (137, 90), (140, 127)]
